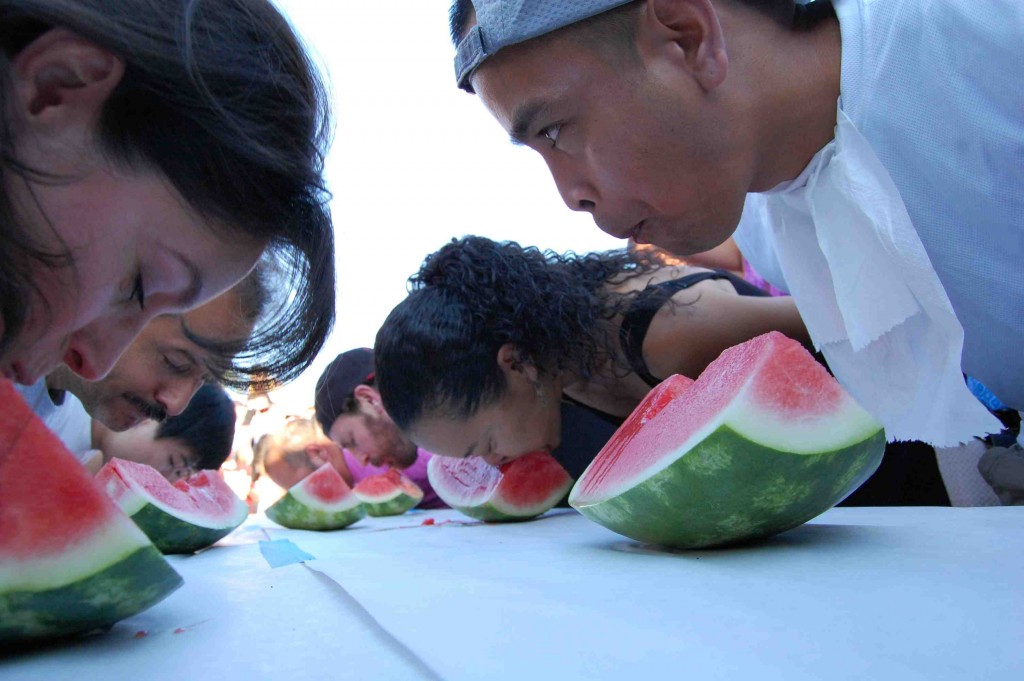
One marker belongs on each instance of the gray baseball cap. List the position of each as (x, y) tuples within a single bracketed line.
[(500, 23)]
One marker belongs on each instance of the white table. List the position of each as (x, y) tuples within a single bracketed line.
[(859, 593)]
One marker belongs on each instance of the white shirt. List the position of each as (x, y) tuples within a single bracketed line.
[(937, 90), (68, 420)]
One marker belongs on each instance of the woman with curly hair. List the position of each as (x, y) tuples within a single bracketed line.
[(494, 340)]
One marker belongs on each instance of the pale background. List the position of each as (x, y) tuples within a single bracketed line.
[(415, 161)]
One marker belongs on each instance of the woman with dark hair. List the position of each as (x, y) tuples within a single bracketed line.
[(151, 151), (493, 338), (198, 438)]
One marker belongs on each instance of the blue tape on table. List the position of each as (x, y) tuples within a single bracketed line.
[(281, 552)]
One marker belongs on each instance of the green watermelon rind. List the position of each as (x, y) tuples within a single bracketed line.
[(729, 489), (397, 505), (124, 588), (172, 534), (294, 514), (496, 511)]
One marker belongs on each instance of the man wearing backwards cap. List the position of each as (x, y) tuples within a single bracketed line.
[(885, 139), (350, 412)]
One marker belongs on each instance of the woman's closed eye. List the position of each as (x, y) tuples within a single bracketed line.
[(138, 292)]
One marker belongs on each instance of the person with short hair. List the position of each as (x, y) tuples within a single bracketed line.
[(351, 413), (869, 152), (151, 153), (199, 438), (159, 372)]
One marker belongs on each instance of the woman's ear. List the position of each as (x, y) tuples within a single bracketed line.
[(62, 80), (512, 364)]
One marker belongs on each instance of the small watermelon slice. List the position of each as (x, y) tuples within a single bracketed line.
[(180, 518), (70, 560), (519, 490), (320, 501), (389, 493), (762, 442)]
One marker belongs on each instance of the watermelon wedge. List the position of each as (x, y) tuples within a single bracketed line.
[(70, 560), (521, 489), (180, 518), (763, 441), (320, 501), (389, 493)]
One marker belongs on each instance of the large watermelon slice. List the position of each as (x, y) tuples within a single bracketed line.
[(320, 501), (70, 560), (521, 489), (180, 518), (389, 493), (763, 441)]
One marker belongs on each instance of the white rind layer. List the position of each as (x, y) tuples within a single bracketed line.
[(115, 541)]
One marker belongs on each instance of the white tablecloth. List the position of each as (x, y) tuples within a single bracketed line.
[(859, 593)]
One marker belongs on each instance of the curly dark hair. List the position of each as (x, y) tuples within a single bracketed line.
[(437, 350)]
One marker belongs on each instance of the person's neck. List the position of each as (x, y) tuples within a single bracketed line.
[(793, 79)]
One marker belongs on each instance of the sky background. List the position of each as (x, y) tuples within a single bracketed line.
[(415, 161)]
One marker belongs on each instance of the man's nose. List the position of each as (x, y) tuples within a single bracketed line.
[(174, 395), (578, 192)]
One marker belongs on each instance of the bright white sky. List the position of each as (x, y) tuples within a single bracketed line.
[(415, 161)]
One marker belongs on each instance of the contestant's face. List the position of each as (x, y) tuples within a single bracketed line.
[(373, 439), (161, 370), (519, 423), (290, 468), (137, 250), (169, 456), (640, 146)]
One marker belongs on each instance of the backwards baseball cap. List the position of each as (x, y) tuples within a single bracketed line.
[(500, 23), (338, 381)]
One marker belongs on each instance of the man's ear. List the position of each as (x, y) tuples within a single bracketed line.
[(316, 455), (62, 80), (687, 34), (369, 396)]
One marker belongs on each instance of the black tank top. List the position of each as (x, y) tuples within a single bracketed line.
[(637, 319)]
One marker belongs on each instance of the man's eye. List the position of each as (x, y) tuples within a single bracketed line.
[(138, 292), (175, 368), (551, 133)]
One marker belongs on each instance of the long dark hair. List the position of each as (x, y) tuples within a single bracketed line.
[(221, 98), (437, 351)]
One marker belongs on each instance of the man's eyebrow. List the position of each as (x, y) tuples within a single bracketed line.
[(523, 120), (195, 284)]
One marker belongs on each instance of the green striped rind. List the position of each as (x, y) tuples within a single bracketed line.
[(171, 534), (120, 590), (728, 489), (292, 513), (396, 506)]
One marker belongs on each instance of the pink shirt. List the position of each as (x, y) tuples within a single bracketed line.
[(417, 472)]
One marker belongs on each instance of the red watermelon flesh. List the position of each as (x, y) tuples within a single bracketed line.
[(521, 489), (655, 401), (180, 518), (70, 560)]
